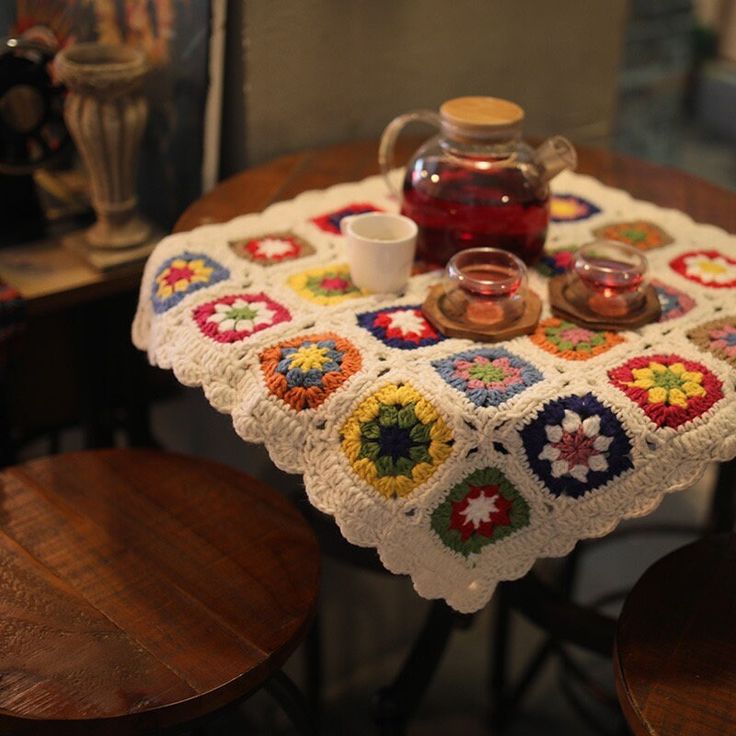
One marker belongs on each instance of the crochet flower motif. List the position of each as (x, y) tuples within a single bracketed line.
[(487, 376), (568, 341), (707, 267), (718, 337), (639, 233), (267, 250), (575, 445), (674, 303), (554, 261), (400, 327), (724, 339), (672, 384), (182, 275), (237, 316), (395, 440), (482, 509), (325, 285), (304, 371), (571, 208), (330, 222), (670, 389)]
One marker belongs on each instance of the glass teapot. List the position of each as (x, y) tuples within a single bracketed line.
[(476, 184)]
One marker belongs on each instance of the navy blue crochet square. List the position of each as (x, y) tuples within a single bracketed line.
[(182, 275), (404, 327), (576, 444), (330, 222), (487, 376)]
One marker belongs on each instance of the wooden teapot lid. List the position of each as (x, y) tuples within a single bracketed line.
[(480, 117)]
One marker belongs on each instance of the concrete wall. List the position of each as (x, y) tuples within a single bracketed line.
[(314, 72)]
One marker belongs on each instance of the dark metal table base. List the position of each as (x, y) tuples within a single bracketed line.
[(549, 606), (396, 704)]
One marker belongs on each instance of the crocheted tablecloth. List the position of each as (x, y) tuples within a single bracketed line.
[(461, 462)]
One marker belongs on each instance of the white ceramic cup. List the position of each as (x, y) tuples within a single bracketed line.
[(380, 250)]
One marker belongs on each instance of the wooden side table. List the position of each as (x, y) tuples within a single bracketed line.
[(72, 362), (142, 590)]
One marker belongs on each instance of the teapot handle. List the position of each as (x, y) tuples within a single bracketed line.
[(388, 141)]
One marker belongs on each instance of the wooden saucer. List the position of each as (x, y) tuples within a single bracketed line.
[(561, 307), (525, 325)]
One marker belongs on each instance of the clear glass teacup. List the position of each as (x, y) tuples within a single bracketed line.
[(607, 277), (485, 286)]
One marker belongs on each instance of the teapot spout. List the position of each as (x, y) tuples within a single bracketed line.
[(555, 155)]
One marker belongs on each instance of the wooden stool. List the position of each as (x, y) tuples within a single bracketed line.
[(141, 590), (571, 626), (676, 644)]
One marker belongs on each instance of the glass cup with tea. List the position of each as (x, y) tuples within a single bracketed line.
[(607, 278), (485, 287)]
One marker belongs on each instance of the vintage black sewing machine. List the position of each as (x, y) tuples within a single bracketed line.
[(41, 192)]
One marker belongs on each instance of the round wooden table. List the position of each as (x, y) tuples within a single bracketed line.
[(141, 590), (285, 177)]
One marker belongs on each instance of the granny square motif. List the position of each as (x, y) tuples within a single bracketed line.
[(272, 248), (402, 327), (182, 275), (576, 444)]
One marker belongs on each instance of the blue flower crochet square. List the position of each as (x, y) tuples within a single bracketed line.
[(182, 275), (487, 376)]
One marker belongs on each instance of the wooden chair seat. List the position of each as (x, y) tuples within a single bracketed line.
[(676, 644), (141, 590)]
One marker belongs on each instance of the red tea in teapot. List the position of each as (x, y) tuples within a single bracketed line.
[(468, 209), (477, 184)]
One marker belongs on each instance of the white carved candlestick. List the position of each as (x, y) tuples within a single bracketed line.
[(106, 114)]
